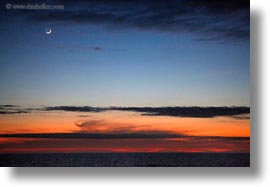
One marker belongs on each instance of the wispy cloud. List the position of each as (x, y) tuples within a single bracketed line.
[(109, 127), (86, 48)]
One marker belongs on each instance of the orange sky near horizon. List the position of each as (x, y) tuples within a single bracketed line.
[(119, 122)]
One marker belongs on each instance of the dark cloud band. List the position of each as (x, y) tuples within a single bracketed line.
[(114, 136), (220, 20), (202, 112), (198, 112)]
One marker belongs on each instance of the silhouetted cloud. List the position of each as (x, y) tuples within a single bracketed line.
[(13, 112), (76, 108), (201, 112), (208, 19), (115, 136), (236, 112), (8, 106), (241, 117), (12, 109)]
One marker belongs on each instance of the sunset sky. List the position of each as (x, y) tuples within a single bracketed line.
[(129, 54)]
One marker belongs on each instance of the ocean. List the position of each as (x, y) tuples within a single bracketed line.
[(125, 160)]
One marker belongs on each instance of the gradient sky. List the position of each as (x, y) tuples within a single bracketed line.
[(138, 53), (141, 53)]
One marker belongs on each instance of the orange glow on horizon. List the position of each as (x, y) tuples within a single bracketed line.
[(126, 145), (118, 122)]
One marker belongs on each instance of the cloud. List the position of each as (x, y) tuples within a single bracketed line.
[(85, 48), (8, 106), (75, 108), (13, 112), (97, 48), (236, 112), (91, 135), (109, 127), (200, 112), (90, 48), (241, 117), (208, 19), (185, 144), (83, 116), (116, 136), (12, 109), (90, 125)]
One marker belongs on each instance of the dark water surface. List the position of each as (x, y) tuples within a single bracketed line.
[(126, 160)]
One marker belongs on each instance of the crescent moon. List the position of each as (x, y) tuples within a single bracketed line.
[(48, 31)]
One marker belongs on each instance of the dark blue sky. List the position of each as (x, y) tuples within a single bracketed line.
[(136, 53)]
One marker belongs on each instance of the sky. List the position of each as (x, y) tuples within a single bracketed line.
[(117, 53), (56, 130), (125, 76)]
